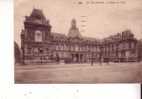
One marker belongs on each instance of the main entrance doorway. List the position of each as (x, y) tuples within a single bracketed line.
[(77, 58)]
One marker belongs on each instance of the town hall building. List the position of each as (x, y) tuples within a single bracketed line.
[(40, 45)]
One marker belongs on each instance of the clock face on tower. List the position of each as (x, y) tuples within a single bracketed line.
[(38, 36)]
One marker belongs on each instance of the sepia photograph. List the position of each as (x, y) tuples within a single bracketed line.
[(77, 41)]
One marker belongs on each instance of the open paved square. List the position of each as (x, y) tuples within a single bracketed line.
[(79, 73)]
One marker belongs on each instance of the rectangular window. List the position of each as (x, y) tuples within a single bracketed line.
[(38, 36)]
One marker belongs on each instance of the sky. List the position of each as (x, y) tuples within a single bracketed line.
[(98, 19)]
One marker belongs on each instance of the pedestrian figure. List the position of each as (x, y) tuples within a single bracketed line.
[(100, 61), (107, 60), (57, 58), (92, 62)]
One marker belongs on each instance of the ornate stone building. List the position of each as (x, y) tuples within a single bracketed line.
[(40, 45), (120, 47)]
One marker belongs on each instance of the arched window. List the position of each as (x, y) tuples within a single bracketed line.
[(38, 36)]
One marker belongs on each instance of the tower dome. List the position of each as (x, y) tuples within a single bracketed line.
[(74, 31)]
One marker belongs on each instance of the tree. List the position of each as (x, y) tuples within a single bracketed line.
[(17, 53)]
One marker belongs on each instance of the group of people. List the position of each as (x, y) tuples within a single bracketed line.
[(100, 61)]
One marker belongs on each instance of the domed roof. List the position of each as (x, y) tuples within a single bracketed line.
[(37, 17), (74, 31), (37, 13)]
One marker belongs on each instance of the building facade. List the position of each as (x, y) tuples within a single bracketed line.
[(40, 45)]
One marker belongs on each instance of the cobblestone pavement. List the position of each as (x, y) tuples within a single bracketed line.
[(79, 73)]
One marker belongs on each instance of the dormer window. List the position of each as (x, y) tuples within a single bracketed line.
[(38, 36)]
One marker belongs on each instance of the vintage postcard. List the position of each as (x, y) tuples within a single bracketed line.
[(78, 41)]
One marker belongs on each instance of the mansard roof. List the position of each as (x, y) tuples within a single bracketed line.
[(124, 35), (91, 40), (37, 13), (58, 36), (38, 17)]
